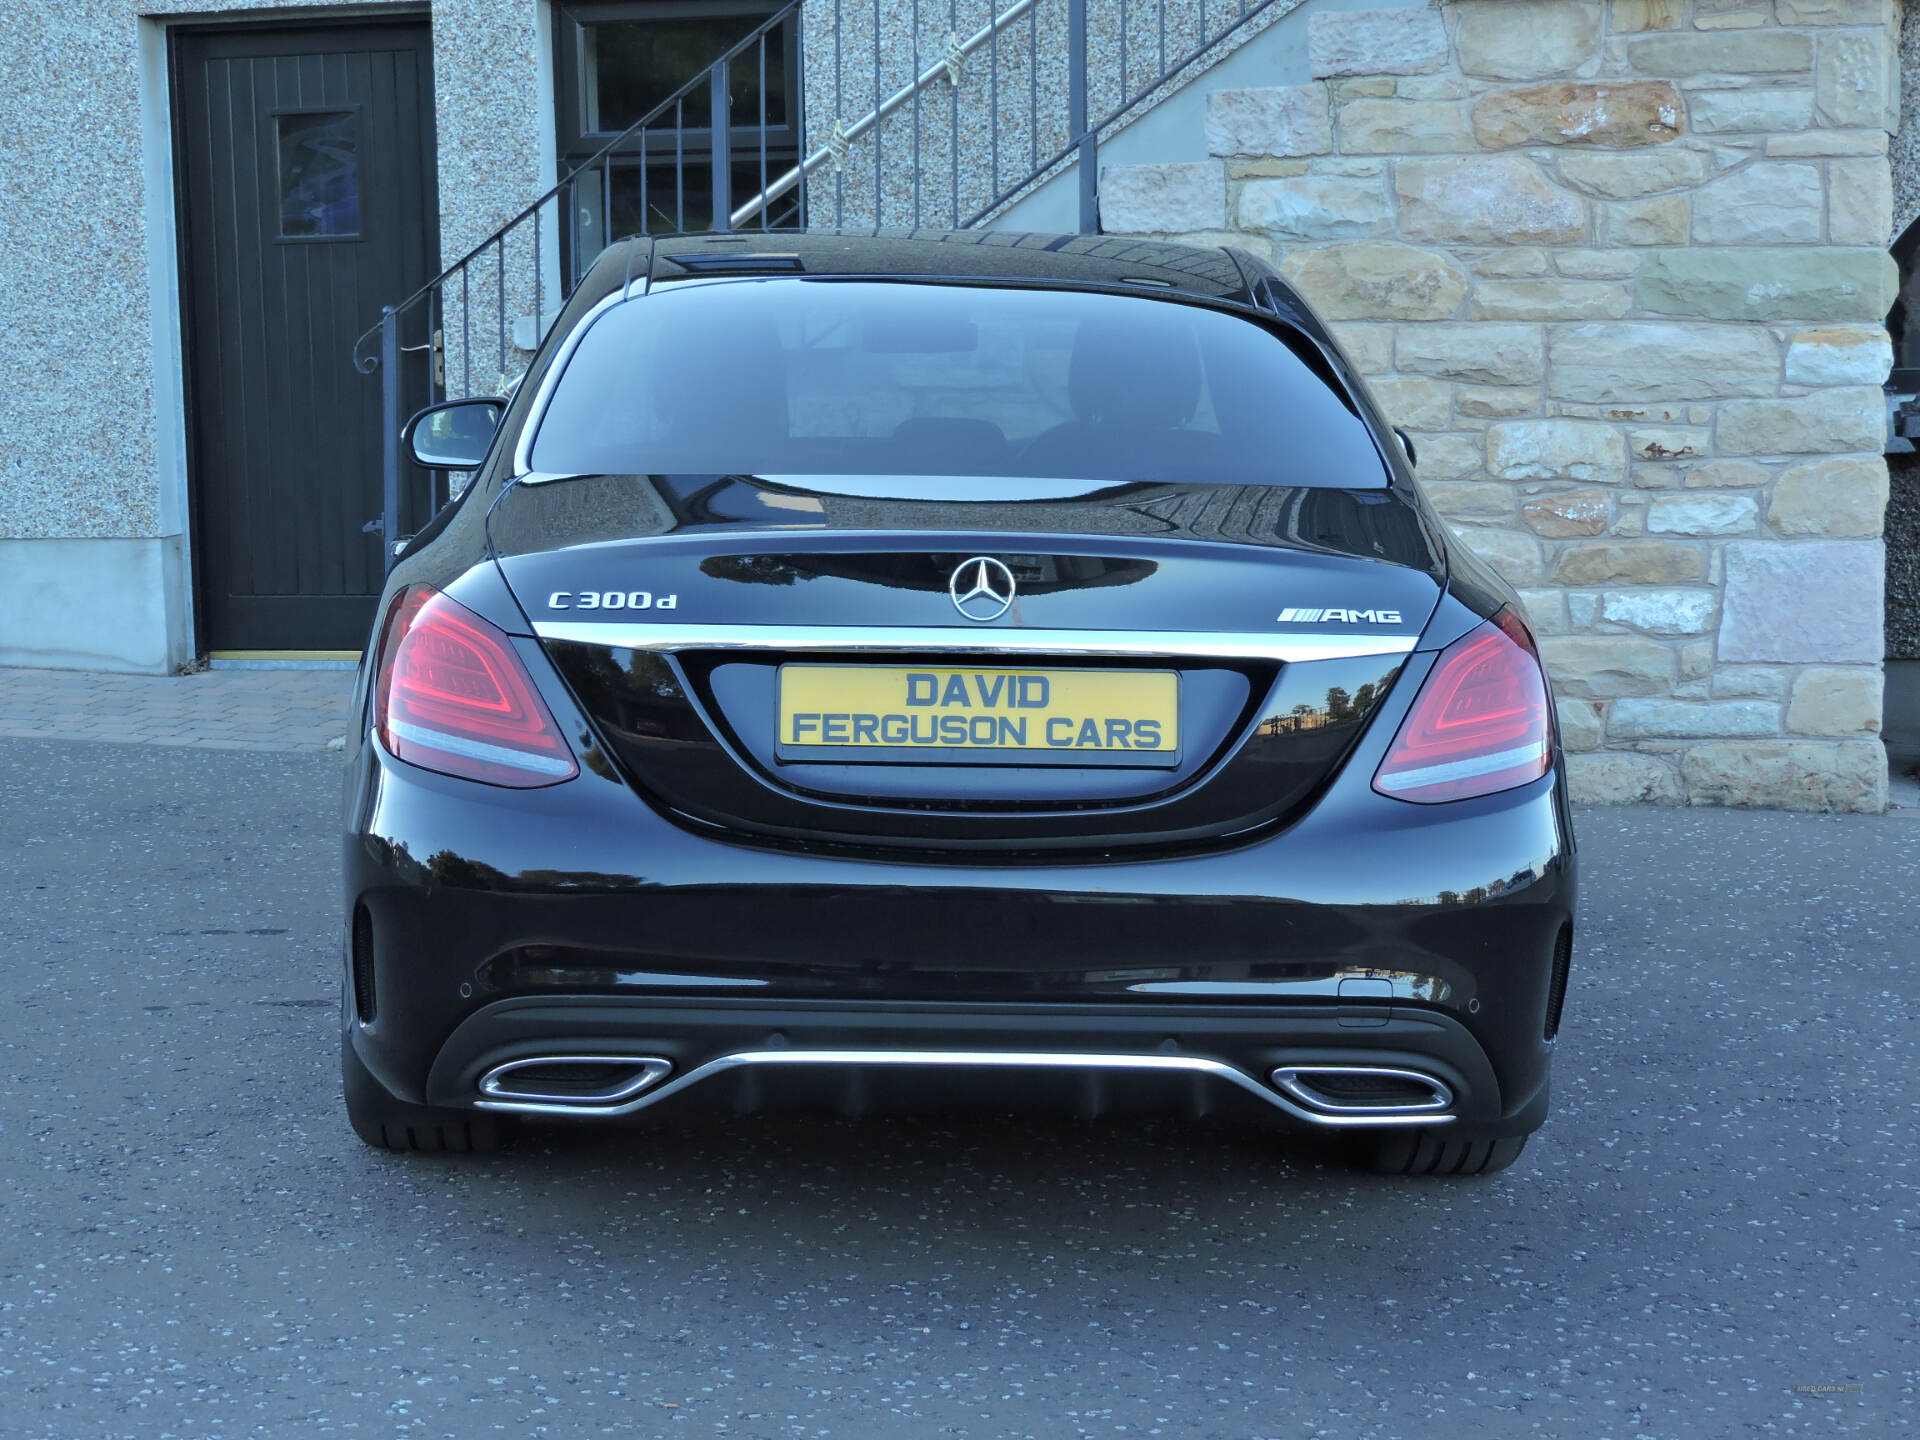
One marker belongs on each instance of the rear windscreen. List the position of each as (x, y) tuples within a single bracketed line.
[(816, 377)]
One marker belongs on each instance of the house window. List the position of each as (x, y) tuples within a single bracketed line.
[(627, 67), (617, 62)]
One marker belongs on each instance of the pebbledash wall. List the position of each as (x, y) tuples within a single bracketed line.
[(1620, 270), (94, 552)]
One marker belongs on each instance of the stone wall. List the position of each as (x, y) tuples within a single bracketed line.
[(1620, 269)]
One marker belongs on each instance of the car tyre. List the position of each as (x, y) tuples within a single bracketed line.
[(387, 1123), (1435, 1152)]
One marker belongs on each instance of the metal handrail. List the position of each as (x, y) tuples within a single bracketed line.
[(948, 65), (1082, 136), (367, 365), (1087, 143)]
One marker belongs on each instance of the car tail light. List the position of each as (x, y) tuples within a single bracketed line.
[(450, 695), (1481, 722)]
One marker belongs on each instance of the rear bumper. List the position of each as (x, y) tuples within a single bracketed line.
[(577, 920), (752, 1055)]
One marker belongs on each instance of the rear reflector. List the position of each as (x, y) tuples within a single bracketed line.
[(362, 946), (450, 695), (1557, 982), (1480, 724)]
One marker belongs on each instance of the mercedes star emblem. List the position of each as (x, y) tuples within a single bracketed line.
[(982, 588)]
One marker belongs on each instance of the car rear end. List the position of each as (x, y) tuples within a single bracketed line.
[(878, 784)]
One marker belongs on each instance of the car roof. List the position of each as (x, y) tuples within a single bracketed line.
[(1097, 260)]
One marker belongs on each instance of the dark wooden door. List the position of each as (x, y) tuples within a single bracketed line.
[(305, 160)]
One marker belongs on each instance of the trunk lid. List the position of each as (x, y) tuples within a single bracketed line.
[(670, 605)]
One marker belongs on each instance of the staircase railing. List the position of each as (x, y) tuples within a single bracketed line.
[(1040, 107), (496, 301), (1024, 104)]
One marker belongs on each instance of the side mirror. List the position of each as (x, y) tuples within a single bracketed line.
[(1406, 444), (454, 435)]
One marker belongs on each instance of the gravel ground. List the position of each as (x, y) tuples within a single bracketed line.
[(192, 1244)]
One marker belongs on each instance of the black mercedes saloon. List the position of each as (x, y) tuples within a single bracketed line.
[(949, 670)]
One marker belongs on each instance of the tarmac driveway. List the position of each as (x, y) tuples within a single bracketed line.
[(192, 1243)]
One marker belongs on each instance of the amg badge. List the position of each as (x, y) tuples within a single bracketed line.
[(1291, 616)]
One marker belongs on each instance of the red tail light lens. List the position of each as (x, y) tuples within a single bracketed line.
[(1480, 723), (450, 695)]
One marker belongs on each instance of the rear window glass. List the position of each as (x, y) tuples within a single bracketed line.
[(811, 377)]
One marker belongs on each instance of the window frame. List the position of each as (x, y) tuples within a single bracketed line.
[(574, 143), (364, 232)]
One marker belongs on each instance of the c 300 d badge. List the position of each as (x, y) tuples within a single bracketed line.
[(982, 588)]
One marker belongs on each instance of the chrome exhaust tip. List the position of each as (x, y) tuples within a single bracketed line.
[(556, 1084), (1353, 1091)]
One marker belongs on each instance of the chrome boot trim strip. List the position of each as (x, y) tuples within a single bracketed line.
[(976, 1059), (980, 640)]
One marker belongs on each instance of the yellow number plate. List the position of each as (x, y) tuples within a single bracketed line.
[(1025, 717)]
